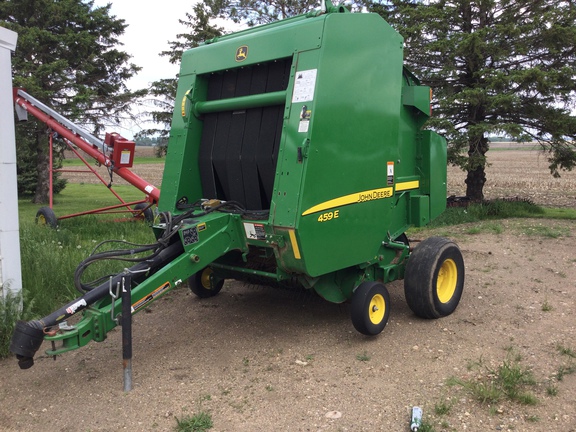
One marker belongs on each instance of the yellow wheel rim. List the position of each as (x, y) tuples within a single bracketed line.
[(377, 309), (446, 282), (41, 220), (206, 278)]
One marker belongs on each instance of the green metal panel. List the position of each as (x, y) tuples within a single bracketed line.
[(181, 176), (353, 134), (434, 167), (420, 210)]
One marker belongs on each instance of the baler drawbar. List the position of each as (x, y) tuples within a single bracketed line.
[(296, 159)]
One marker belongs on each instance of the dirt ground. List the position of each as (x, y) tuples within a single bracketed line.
[(259, 359)]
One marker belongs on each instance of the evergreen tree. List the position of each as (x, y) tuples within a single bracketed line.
[(496, 66), (67, 58)]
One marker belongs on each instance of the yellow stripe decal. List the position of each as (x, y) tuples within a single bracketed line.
[(407, 185), (358, 197), (294, 242)]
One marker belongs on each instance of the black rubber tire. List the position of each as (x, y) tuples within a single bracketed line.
[(46, 216), (365, 318), (434, 278), (204, 283), (148, 214)]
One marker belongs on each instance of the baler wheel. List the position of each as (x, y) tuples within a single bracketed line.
[(370, 308), (204, 283), (46, 216), (434, 278)]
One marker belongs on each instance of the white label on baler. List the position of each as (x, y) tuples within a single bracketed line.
[(254, 231), (304, 86), (303, 126)]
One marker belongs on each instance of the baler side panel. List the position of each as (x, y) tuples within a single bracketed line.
[(181, 176), (354, 126), (434, 154)]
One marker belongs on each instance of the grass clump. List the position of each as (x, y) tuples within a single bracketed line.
[(566, 351), (442, 408), (363, 357), (197, 423), (426, 427), (507, 381), (565, 370)]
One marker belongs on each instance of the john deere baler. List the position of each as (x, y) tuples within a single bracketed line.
[(296, 158)]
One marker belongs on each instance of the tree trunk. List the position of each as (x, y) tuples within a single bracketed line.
[(42, 170), (475, 184), (476, 177)]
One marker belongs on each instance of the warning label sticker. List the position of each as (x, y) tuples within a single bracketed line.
[(150, 297), (255, 231), (304, 86), (390, 173), (125, 157)]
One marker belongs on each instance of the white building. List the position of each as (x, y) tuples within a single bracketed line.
[(10, 271)]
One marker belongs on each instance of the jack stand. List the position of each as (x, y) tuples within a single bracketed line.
[(126, 322)]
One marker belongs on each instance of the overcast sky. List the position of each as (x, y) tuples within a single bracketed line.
[(151, 24)]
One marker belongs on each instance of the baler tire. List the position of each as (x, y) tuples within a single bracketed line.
[(370, 308), (46, 216), (204, 284), (148, 214), (434, 278)]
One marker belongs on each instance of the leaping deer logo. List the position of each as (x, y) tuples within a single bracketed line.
[(241, 53)]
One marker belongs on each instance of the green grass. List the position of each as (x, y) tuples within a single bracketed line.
[(566, 351), (363, 357), (546, 231), (565, 370), (508, 381), (197, 423), (50, 256), (426, 427), (80, 197), (499, 209), (443, 408)]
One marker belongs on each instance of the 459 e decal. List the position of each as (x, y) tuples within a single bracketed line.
[(325, 217)]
